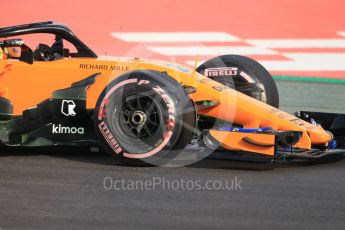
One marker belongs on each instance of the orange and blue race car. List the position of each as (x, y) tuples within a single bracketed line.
[(150, 112)]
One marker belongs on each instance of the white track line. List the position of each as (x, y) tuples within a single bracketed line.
[(210, 50), (341, 33), (175, 37), (308, 62), (298, 43)]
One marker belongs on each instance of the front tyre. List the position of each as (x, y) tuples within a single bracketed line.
[(144, 118), (244, 75)]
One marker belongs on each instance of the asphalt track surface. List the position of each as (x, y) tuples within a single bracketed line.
[(65, 189)]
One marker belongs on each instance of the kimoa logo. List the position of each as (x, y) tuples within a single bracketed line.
[(59, 129)]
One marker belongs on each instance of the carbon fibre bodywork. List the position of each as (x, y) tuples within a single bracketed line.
[(46, 125)]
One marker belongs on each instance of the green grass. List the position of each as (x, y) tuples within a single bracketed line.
[(309, 79)]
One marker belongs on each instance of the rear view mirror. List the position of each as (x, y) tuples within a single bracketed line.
[(26, 54)]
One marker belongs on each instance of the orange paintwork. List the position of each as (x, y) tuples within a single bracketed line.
[(234, 141), (26, 85)]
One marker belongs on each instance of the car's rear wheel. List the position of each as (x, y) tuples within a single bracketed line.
[(144, 118)]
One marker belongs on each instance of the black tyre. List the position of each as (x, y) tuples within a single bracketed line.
[(243, 74), (144, 118)]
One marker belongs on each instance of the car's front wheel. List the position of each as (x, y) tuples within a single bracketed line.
[(244, 75), (144, 118)]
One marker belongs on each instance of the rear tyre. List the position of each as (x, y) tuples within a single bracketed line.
[(243, 74), (144, 118)]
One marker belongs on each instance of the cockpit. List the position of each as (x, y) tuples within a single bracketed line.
[(17, 49), (56, 51), (62, 43)]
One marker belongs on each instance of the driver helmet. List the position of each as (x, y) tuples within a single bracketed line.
[(3, 54)]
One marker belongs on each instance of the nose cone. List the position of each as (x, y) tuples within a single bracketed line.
[(319, 136)]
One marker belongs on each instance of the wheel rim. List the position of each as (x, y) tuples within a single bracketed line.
[(255, 90), (139, 117)]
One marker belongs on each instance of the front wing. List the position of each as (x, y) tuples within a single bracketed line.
[(271, 146)]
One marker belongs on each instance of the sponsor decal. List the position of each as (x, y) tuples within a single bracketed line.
[(59, 129), (202, 79), (109, 137), (104, 67), (224, 71), (169, 104), (297, 121), (178, 67), (220, 87), (67, 108)]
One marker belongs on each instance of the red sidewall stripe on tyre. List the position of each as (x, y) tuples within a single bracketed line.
[(110, 92), (166, 135)]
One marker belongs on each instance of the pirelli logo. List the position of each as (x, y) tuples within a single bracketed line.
[(224, 71), (109, 137)]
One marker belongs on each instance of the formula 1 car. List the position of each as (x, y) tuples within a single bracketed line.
[(145, 112)]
